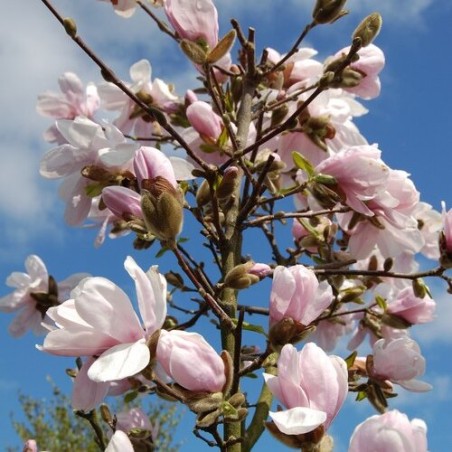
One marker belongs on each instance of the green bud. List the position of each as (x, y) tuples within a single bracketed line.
[(420, 289), (368, 29)]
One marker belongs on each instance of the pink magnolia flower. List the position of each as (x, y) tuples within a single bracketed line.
[(312, 385), (370, 63), (194, 20), (149, 163), (190, 361), (300, 67), (411, 308), (35, 280), (360, 174), (400, 361), (390, 431), (394, 208), (296, 293), (99, 320), (156, 93), (120, 442), (74, 100), (88, 143)]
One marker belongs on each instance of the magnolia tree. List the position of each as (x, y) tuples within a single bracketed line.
[(264, 147)]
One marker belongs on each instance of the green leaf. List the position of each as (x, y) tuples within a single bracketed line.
[(350, 360), (381, 302), (361, 396), (130, 396), (250, 327), (303, 164)]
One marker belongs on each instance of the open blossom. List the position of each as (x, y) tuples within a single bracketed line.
[(99, 320), (360, 174), (445, 242), (190, 361), (400, 361), (370, 63), (397, 231), (412, 308), (312, 385), (390, 431), (87, 144), (34, 281), (297, 294), (74, 100), (154, 93)]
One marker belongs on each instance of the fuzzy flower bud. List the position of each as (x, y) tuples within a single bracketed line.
[(162, 207)]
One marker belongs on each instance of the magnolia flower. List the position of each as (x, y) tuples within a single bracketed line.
[(135, 418), (154, 93), (88, 144), (390, 431), (190, 361), (412, 308), (364, 71), (297, 294), (99, 320), (74, 100), (300, 67), (400, 361), (28, 286), (196, 21), (312, 385), (360, 174), (396, 230)]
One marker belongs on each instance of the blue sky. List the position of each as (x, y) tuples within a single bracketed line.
[(411, 121)]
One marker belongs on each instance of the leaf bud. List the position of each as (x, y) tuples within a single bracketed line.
[(394, 321), (70, 26), (420, 289), (368, 29), (328, 11), (222, 48)]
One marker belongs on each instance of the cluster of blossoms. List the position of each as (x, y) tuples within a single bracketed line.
[(359, 223)]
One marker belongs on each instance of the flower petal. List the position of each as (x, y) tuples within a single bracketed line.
[(120, 361), (299, 420)]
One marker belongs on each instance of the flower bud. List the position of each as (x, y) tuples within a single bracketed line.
[(328, 11), (162, 210), (240, 278), (368, 29), (194, 51)]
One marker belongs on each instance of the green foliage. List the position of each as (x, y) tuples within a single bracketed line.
[(56, 427)]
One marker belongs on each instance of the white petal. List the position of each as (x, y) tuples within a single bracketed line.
[(182, 168), (119, 442), (120, 361), (299, 420)]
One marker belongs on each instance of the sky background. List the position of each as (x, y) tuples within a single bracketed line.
[(411, 122)]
